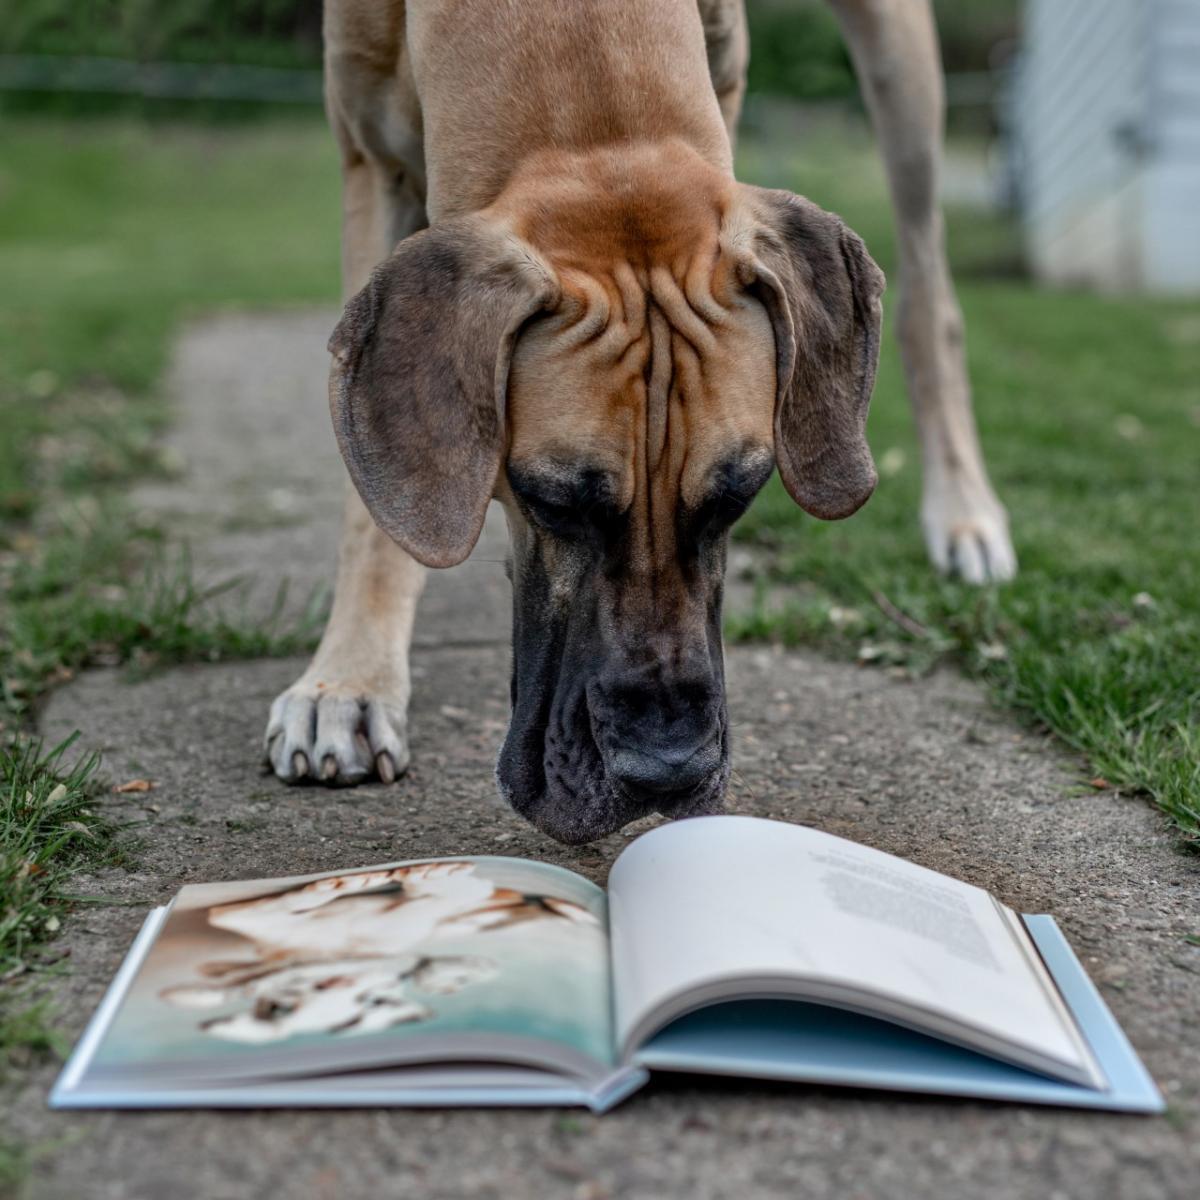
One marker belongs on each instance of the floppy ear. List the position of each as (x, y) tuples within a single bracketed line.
[(420, 371), (822, 291)]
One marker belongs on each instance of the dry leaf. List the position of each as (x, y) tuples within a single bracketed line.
[(840, 617), (134, 785)]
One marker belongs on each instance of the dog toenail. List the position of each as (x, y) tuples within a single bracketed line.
[(385, 766)]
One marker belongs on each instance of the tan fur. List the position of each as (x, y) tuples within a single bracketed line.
[(657, 363), (584, 146)]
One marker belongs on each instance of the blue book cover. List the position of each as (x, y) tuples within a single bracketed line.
[(813, 1043)]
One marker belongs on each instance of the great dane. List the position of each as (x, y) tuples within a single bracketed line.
[(559, 297)]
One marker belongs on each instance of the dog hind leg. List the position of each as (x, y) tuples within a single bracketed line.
[(728, 46), (893, 44)]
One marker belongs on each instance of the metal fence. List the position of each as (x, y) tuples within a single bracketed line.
[(158, 80), (271, 85)]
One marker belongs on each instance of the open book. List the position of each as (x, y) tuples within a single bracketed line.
[(725, 945)]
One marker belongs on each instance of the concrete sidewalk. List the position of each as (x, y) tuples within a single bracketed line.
[(925, 770)]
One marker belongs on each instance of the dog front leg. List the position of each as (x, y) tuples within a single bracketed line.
[(894, 47), (345, 719)]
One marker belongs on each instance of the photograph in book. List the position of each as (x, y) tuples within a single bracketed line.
[(426, 950)]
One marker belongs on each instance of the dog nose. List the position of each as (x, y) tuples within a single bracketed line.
[(665, 770)]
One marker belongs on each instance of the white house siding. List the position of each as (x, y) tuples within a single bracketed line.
[(1108, 127), (1171, 188)]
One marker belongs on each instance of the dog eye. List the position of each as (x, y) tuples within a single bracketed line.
[(720, 511), (734, 489), (567, 511), (552, 515), (581, 521), (731, 505)]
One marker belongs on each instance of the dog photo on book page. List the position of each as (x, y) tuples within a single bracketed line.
[(535, 694)]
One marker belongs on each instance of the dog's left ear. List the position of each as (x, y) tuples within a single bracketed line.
[(420, 375), (822, 291)]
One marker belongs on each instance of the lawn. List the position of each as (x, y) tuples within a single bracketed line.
[(1089, 409), (110, 234), (114, 232)]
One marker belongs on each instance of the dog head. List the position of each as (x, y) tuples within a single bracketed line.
[(620, 351)]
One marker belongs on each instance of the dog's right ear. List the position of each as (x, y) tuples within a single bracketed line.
[(420, 372)]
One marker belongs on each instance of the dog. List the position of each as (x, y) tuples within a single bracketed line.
[(561, 298)]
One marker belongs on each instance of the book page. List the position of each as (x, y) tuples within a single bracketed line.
[(471, 959), (716, 899)]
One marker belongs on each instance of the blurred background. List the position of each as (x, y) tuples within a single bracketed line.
[(165, 159)]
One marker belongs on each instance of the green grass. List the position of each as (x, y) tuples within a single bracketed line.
[(47, 829), (112, 234), (1089, 409)]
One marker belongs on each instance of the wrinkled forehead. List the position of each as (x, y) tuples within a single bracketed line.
[(644, 392)]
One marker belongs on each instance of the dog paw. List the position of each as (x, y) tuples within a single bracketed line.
[(967, 536), (335, 734)]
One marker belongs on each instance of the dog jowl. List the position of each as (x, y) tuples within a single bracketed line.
[(624, 393)]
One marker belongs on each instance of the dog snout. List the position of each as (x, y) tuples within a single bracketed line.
[(663, 736), (663, 771)]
